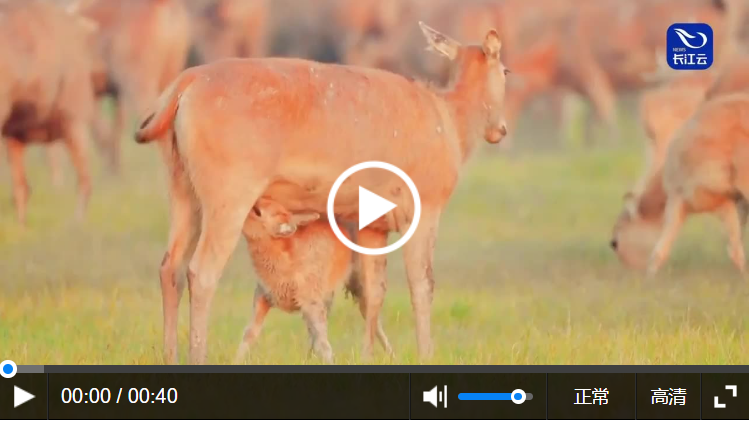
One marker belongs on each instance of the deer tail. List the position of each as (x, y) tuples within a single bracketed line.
[(159, 122)]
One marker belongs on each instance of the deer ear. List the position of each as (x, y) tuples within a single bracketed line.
[(440, 42), (492, 44), (300, 219)]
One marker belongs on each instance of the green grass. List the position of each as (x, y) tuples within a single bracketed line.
[(523, 276)]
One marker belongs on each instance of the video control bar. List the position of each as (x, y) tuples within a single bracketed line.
[(381, 396)]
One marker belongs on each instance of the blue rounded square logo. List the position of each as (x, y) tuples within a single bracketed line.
[(689, 46)]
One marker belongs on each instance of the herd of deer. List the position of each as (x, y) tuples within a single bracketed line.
[(248, 141)]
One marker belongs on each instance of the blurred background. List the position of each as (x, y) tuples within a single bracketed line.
[(524, 271)]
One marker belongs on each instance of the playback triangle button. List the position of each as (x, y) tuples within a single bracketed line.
[(372, 207), (21, 396)]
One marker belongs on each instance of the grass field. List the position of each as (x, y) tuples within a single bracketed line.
[(523, 270)]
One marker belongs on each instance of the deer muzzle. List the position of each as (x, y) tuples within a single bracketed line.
[(496, 134)]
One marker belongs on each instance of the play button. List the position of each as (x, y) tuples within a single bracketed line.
[(21, 396), (373, 206)]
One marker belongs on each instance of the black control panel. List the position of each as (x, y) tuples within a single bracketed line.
[(376, 395)]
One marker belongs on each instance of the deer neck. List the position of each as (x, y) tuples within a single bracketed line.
[(652, 201), (464, 97)]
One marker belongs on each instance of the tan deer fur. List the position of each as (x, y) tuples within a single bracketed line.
[(300, 264)]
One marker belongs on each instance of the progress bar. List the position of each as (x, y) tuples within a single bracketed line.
[(518, 396)]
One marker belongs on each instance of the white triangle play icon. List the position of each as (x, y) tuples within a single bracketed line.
[(21, 396), (371, 207)]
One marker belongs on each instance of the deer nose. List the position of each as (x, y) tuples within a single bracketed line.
[(614, 244), (496, 134)]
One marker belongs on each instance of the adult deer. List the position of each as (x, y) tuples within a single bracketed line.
[(285, 129)]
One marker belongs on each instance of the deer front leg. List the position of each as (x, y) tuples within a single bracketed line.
[(419, 257), (673, 220), (733, 216)]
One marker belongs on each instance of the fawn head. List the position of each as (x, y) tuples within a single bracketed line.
[(269, 218), (635, 233), (478, 75)]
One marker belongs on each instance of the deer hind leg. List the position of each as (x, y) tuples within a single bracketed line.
[(102, 129), (316, 317), (220, 231), (15, 149), (77, 141), (419, 257), (374, 287), (53, 159), (355, 288), (226, 198), (260, 309), (674, 217), (122, 120), (597, 88), (183, 234)]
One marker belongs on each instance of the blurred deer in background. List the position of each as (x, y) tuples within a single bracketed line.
[(45, 89), (143, 45)]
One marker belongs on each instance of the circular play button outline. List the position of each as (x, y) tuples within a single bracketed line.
[(383, 166)]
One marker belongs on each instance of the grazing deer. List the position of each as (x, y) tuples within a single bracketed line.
[(664, 111), (285, 129), (706, 170), (300, 263)]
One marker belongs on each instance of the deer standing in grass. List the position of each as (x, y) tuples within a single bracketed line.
[(45, 91), (300, 263), (285, 129), (142, 47)]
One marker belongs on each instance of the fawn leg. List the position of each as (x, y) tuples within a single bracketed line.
[(316, 317), (260, 309)]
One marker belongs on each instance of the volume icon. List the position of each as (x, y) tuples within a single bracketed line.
[(433, 396)]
